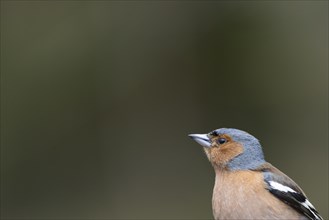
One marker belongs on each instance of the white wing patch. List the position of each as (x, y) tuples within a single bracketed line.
[(306, 204), (310, 207), (278, 186)]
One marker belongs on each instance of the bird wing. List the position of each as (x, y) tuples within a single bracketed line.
[(285, 189)]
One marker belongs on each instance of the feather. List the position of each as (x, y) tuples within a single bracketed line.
[(285, 189)]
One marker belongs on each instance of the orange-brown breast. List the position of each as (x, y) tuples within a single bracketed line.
[(242, 195)]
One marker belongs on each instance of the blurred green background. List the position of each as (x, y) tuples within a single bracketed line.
[(97, 99)]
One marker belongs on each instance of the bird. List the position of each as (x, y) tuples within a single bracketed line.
[(246, 186)]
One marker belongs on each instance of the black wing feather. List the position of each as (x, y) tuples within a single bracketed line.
[(296, 198)]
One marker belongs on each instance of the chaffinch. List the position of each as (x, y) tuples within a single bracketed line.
[(246, 186)]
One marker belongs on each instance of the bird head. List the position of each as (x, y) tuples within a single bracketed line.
[(231, 149)]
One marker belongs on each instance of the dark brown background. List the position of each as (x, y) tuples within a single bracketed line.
[(97, 99)]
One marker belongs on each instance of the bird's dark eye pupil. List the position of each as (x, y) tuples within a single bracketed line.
[(221, 140)]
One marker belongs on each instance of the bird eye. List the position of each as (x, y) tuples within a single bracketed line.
[(221, 140)]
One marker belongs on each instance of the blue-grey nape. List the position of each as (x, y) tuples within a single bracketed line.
[(252, 156)]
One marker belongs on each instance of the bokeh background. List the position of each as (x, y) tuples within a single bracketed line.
[(97, 99)]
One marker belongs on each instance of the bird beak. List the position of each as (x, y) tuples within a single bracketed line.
[(201, 139)]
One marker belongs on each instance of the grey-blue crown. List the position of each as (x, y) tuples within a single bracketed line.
[(252, 157)]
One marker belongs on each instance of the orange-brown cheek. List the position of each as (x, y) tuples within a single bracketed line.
[(222, 155)]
